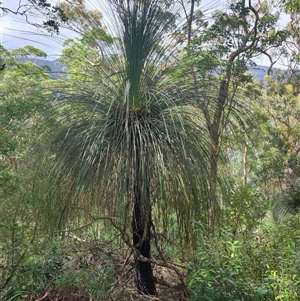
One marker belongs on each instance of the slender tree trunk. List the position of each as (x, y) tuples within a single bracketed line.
[(245, 157), (190, 21), (213, 175), (215, 134), (141, 224)]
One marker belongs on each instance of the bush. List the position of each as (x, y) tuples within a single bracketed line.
[(265, 266), (222, 272), (63, 268)]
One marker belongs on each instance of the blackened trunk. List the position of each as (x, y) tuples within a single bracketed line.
[(141, 240)]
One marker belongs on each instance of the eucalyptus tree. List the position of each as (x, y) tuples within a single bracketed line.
[(218, 53), (126, 140)]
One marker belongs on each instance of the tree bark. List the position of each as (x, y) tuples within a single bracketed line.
[(141, 224), (245, 157), (215, 129), (141, 240), (213, 175)]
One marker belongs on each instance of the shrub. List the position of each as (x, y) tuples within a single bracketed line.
[(265, 266)]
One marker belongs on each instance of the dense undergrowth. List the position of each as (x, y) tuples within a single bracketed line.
[(262, 266), (94, 265)]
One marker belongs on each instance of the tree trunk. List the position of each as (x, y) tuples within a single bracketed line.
[(141, 241), (141, 224), (213, 175), (215, 129), (245, 157)]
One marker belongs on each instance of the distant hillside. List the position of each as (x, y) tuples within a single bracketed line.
[(260, 71), (57, 68)]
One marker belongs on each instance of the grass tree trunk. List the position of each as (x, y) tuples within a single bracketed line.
[(141, 241), (141, 224)]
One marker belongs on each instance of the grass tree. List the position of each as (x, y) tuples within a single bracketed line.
[(127, 140)]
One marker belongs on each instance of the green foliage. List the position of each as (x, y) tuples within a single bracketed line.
[(28, 51), (291, 6), (287, 202), (260, 266), (243, 210), (18, 229), (223, 271), (23, 99), (63, 267)]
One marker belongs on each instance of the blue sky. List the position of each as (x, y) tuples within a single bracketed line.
[(15, 32)]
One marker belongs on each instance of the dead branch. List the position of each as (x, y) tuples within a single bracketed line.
[(44, 297)]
